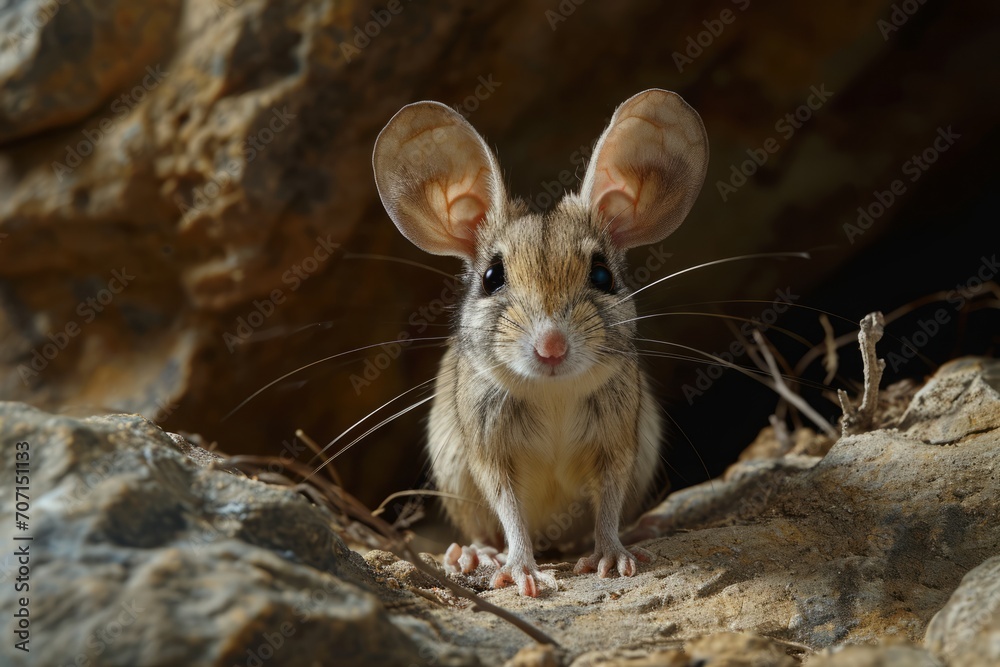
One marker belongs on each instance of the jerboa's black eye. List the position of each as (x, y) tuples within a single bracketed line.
[(493, 277), (600, 275)]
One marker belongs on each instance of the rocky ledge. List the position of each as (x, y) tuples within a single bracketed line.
[(880, 551)]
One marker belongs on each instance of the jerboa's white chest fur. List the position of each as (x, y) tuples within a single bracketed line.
[(552, 443)]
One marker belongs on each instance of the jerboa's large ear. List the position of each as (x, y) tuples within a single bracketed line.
[(647, 168), (437, 178)]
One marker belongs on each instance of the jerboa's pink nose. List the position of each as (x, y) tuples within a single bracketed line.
[(551, 347)]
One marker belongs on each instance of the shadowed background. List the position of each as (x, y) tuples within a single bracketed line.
[(216, 167)]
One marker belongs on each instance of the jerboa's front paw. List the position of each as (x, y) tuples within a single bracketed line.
[(614, 558), (466, 559), (525, 574)]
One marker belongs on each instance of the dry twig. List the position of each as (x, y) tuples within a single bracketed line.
[(326, 494), (830, 358), (781, 432), (786, 393), (860, 419), (976, 302)]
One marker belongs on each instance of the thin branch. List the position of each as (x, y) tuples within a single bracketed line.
[(788, 394), (781, 432), (478, 603), (830, 358), (860, 420), (325, 493), (318, 451), (974, 303), (417, 492)]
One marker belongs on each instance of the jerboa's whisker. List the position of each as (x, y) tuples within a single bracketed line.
[(369, 431), (694, 449), (360, 421), (746, 369), (799, 255), (816, 350), (275, 332), (399, 260), (719, 360), (791, 334), (384, 421), (790, 304), (320, 361)]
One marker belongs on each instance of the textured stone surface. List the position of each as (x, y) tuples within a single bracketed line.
[(784, 559), (736, 650), (141, 557), (900, 655), (257, 143), (62, 60), (863, 545), (967, 630), (722, 649)]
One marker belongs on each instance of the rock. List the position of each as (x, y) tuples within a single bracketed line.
[(899, 655), (958, 403), (535, 655), (226, 188), (397, 573), (146, 552), (966, 631), (806, 442), (633, 658), (863, 545), (730, 649), (722, 649), (60, 61), (141, 557)]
